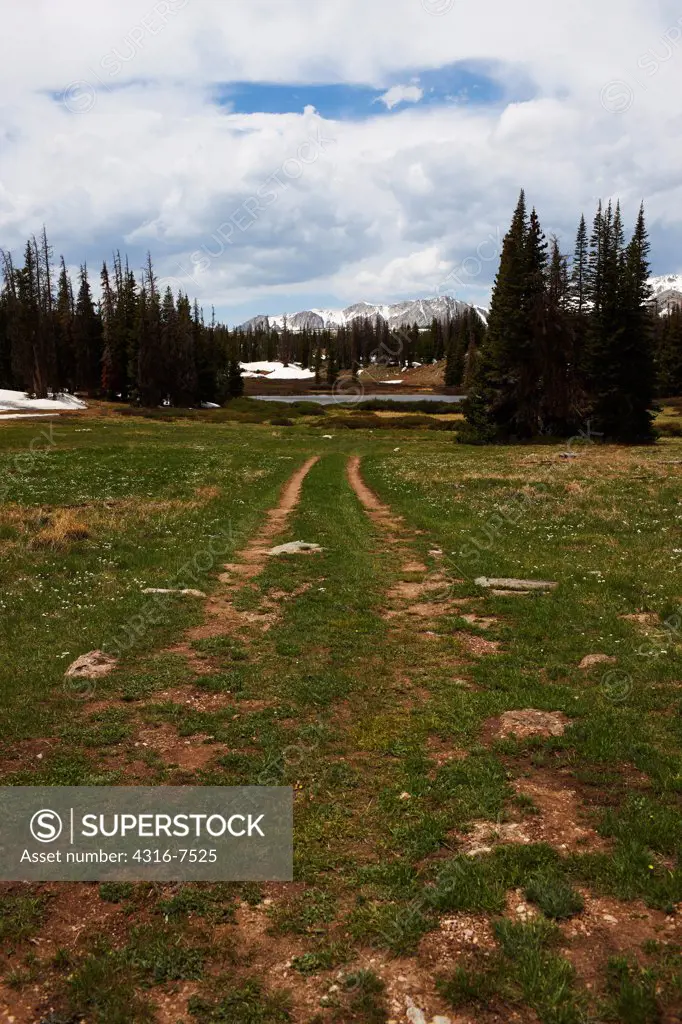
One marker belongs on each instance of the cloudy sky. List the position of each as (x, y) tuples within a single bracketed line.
[(285, 154)]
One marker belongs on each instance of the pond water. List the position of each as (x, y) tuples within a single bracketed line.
[(357, 399)]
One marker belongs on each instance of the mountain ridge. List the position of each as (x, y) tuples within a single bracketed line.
[(420, 311)]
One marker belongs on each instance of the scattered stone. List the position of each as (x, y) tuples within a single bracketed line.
[(568, 455), (477, 645), (405, 796), (484, 836), (511, 584), (183, 593), (297, 547), (596, 659), (436, 553), (92, 665), (532, 723), (417, 1016)]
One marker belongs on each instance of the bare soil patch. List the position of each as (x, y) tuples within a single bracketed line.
[(193, 698), (607, 927), (562, 821), (73, 911), (478, 645), (529, 722), (23, 754), (190, 754)]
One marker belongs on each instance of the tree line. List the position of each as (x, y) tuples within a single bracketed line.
[(133, 344), (572, 341), (137, 344), (367, 341), (565, 342)]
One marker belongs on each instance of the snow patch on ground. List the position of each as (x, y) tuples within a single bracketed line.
[(18, 401), (277, 371), (28, 415)]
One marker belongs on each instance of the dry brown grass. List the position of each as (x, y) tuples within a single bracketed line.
[(58, 527), (208, 493), (420, 376), (447, 417), (64, 527)]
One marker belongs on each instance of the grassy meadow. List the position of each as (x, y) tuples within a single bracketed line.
[(444, 864)]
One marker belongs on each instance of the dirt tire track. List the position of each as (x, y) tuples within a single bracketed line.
[(376, 510), (560, 821), (222, 617), (256, 551)]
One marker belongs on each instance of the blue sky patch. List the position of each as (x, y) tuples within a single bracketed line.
[(461, 83)]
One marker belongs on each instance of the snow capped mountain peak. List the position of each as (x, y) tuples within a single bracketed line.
[(666, 293), (665, 283), (397, 314)]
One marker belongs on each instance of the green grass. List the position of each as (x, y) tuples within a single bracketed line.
[(20, 916), (246, 1001), (554, 895), (351, 706), (526, 971)]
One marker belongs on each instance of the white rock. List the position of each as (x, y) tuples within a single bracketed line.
[(414, 1014), (511, 584), (92, 665), (297, 547)]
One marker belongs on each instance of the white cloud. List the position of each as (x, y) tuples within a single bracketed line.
[(388, 206), (402, 94), (414, 274)]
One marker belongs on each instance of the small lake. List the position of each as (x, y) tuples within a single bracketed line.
[(357, 399)]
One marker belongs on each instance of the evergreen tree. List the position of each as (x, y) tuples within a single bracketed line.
[(580, 271), (87, 337), (32, 334), (562, 402), (64, 336), (151, 373), (183, 356), (621, 357), (497, 404)]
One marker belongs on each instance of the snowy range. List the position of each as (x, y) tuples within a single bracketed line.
[(668, 286), (398, 314), (413, 311)]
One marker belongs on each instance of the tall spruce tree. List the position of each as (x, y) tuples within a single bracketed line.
[(151, 371), (87, 337), (562, 400), (184, 356), (580, 270), (621, 353), (497, 402), (64, 338)]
